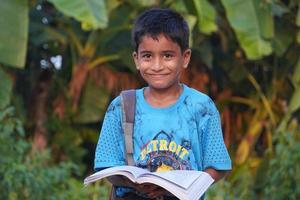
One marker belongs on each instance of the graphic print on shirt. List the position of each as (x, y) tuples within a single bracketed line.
[(164, 154)]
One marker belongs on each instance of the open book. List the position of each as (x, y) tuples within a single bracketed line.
[(184, 184)]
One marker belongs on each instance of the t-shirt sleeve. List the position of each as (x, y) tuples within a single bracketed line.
[(215, 154), (110, 147)]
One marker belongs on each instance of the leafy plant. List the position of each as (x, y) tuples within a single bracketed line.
[(27, 174)]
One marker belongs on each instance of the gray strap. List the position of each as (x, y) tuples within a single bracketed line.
[(128, 111)]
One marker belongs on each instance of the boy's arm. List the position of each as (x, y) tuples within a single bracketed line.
[(216, 174)]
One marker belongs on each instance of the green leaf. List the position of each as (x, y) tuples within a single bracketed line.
[(298, 16), (179, 6), (298, 24), (296, 74), (14, 32), (266, 21), (91, 13), (93, 104), (112, 4), (206, 16), (247, 27), (5, 89), (294, 104), (279, 9), (191, 21), (282, 39), (147, 3)]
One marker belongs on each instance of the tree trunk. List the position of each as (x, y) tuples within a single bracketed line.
[(38, 109)]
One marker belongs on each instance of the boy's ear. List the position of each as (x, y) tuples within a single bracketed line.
[(135, 58), (186, 57)]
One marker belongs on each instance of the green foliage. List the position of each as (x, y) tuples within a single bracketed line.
[(5, 89), (13, 41), (27, 174), (66, 142), (206, 16), (283, 169), (249, 26), (277, 176)]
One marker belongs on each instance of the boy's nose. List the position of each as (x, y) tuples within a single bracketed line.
[(157, 65)]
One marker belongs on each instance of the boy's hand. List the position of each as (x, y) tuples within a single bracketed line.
[(152, 191), (120, 181), (216, 174)]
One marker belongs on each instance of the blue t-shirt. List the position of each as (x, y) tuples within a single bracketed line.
[(185, 135)]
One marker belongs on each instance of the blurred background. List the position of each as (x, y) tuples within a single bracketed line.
[(62, 62)]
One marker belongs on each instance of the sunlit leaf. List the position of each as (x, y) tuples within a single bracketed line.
[(147, 3), (247, 101), (14, 32), (247, 27), (265, 100), (5, 89), (206, 16), (102, 59), (91, 13), (242, 152), (254, 130), (191, 20)]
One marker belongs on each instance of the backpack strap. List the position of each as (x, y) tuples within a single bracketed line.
[(128, 111)]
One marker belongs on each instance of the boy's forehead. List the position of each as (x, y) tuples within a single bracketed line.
[(161, 38)]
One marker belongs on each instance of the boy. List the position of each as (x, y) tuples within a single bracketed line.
[(176, 127)]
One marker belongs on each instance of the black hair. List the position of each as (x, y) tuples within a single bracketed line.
[(157, 21)]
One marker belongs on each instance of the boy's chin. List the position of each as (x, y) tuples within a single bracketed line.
[(160, 87)]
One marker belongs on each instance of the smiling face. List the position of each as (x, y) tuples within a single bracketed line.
[(160, 61)]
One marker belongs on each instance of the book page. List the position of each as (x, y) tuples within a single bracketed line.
[(130, 172), (135, 171), (200, 186), (183, 184), (182, 178)]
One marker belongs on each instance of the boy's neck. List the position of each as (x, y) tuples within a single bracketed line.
[(162, 98)]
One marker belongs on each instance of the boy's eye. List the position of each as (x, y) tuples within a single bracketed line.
[(168, 55), (146, 56)]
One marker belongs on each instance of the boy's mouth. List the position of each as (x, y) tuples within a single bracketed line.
[(158, 76)]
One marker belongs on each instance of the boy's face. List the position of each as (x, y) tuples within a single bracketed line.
[(160, 61)]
